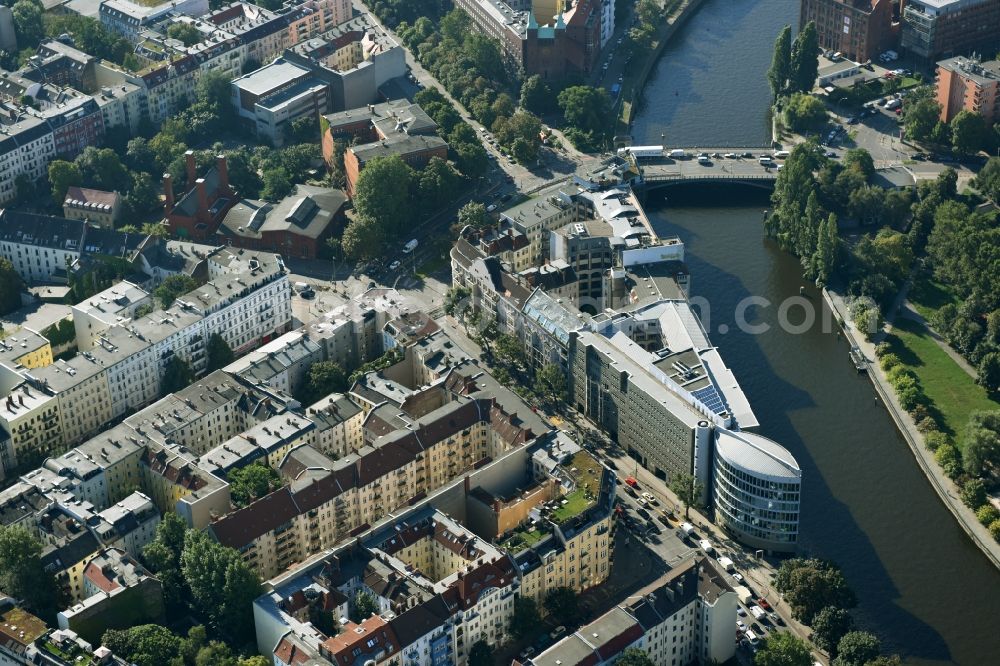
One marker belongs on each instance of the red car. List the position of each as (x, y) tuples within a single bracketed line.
[(762, 602)]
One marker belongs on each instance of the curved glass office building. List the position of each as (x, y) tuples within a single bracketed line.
[(756, 487)]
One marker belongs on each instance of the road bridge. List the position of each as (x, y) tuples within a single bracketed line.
[(660, 172)]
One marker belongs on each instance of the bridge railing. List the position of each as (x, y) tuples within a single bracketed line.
[(710, 176)]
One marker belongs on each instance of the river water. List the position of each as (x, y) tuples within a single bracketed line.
[(924, 588)]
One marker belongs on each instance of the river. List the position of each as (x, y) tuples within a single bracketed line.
[(924, 588)]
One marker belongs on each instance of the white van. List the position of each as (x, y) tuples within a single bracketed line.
[(757, 612), (766, 160), (727, 564), (752, 638), (703, 159), (781, 154), (706, 546), (677, 153)]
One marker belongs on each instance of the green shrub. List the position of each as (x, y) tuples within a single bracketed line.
[(882, 349), (950, 460), (995, 529), (896, 374), (974, 493), (927, 425), (935, 439), (987, 514), (888, 361)]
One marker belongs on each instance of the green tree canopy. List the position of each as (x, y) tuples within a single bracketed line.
[(481, 654), (982, 442), (536, 96), (219, 353), (804, 112), (252, 482), (185, 32), (28, 24), (62, 175), (829, 626), (177, 375), (473, 214), (362, 607), (968, 132), (810, 585), (587, 108), (550, 383), (163, 556), (634, 657), (857, 648), (11, 286), (324, 378), (143, 645), (988, 179), (781, 63), (214, 87), (805, 59), (563, 604), (920, 116), (222, 584), (526, 619), (22, 574), (381, 194), (172, 287), (783, 648), (688, 490)]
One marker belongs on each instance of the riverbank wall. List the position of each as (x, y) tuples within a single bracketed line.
[(943, 486), (663, 37)]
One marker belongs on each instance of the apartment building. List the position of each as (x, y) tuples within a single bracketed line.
[(27, 144), (273, 97), (934, 29), (685, 617), (969, 84), (25, 349), (317, 17), (339, 425), (32, 427), (128, 18), (117, 593), (98, 207), (859, 29), (41, 247), (115, 305), (282, 363)]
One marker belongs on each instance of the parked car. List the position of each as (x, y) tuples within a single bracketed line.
[(762, 602), (740, 625), (649, 498), (558, 633), (642, 512), (394, 265)]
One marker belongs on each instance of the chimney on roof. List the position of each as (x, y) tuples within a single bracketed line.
[(191, 167), (202, 195), (223, 169), (168, 193)]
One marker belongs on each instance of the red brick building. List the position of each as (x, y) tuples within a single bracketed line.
[(199, 212), (295, 227), (859, 29)]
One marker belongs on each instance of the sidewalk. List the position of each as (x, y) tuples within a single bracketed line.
[(945, 487)]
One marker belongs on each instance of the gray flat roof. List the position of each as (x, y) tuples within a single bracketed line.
[(267, 78)]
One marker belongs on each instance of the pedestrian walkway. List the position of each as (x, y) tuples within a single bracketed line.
[(945, 487)]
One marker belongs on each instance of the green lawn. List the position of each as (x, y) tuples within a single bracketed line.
[(954, 393), (576, 503), (523, 539), (928, 295)]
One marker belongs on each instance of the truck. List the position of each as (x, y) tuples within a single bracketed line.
[(687, 528), (677, 154), (641, 152), (706, 546), (757, 612), (727, 564), (410, 246)]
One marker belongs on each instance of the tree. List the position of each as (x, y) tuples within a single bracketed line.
[(586, 108), (102, 168), (982, 442), (829, 626), (62, 175), (986, 514), (688, 490), (804, 112), (473, 214), (784, 649), (968, 132), (920, 117), (240, 588), (177, 375), (509, 351), (857, 648), (859, 160), (252, 482), (974, 493), (948, 457), (22, 574), (810, 585), (988, 375), (324, 378), (804, 61), (480, 654), (381, 194), (563, 604), (277, 185), (220, 354), (994, 529), (214, 88), (363, 239), (172, 287), (634, 657), (364, 605), (988, 179), (28, 23), (781, 63), (526, 619), (143, 645), (550, 383), (827, 251), (536, 96), (222, 584), (185, 32), (11, 287), (163, 556)]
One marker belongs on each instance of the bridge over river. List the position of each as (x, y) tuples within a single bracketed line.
[(659, 172)]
